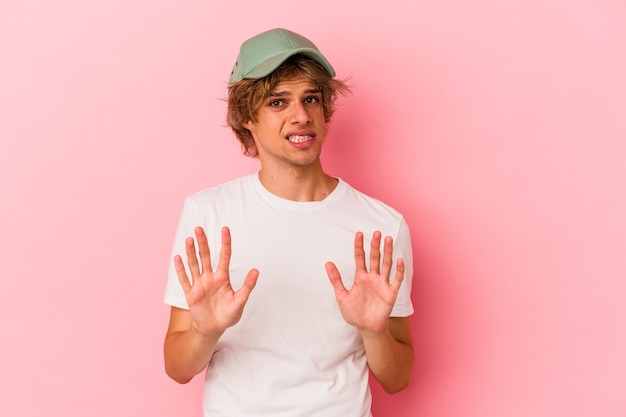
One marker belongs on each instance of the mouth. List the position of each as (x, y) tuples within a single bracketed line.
[(299, 138)]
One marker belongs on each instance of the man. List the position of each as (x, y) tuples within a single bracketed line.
[(280, 302)]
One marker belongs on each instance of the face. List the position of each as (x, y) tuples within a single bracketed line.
[(290, 127)]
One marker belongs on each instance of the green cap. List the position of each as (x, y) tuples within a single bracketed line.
[(263, 53)]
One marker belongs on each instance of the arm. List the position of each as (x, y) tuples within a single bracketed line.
[(186, 351), (367, 306), (213, 307), (390, 354)]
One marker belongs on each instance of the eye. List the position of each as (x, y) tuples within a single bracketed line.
[(276, 103), (311, 100)]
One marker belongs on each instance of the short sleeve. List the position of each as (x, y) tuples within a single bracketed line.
[(403, 249), (189, 219)]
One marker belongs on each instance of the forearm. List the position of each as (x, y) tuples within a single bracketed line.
[(390, 356), (188, 353)]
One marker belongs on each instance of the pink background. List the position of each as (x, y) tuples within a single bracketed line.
[(497, 127)]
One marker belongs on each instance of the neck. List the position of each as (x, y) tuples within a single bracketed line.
[(299, 185)]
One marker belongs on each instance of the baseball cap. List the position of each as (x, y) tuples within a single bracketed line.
[(263, 53)]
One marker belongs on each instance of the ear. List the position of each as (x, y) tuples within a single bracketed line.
[(249, 125)]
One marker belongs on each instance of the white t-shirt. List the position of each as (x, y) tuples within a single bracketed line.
[(291, 354)]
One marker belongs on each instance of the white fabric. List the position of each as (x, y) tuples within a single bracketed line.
[(292, 354)]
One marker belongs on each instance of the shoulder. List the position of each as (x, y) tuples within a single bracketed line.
[(236, 188), (370, 203)]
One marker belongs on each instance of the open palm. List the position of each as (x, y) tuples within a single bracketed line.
[(213, 304), (368, 303)]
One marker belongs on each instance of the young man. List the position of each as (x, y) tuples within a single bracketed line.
[(292, 294)]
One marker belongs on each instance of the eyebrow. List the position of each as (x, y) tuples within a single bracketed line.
[(287, 93)]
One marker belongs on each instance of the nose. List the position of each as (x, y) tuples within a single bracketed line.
[(299, 113)]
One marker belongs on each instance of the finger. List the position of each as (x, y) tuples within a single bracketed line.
[(248, 285), (225, 251), (387, 257), (399, 276), (375, 252), (359, 253), (203, 250), (192, 260), (181, 273), (335, 278)]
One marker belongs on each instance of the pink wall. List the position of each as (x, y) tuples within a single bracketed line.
[(497, 127)]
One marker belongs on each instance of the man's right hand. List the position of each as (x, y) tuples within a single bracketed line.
[(213, 304)]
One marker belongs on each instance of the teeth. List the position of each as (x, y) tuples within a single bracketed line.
[(298, 138)]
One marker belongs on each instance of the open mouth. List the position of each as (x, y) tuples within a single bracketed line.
[(299, 138)]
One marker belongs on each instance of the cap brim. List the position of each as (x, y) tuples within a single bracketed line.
[(271, 64)]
